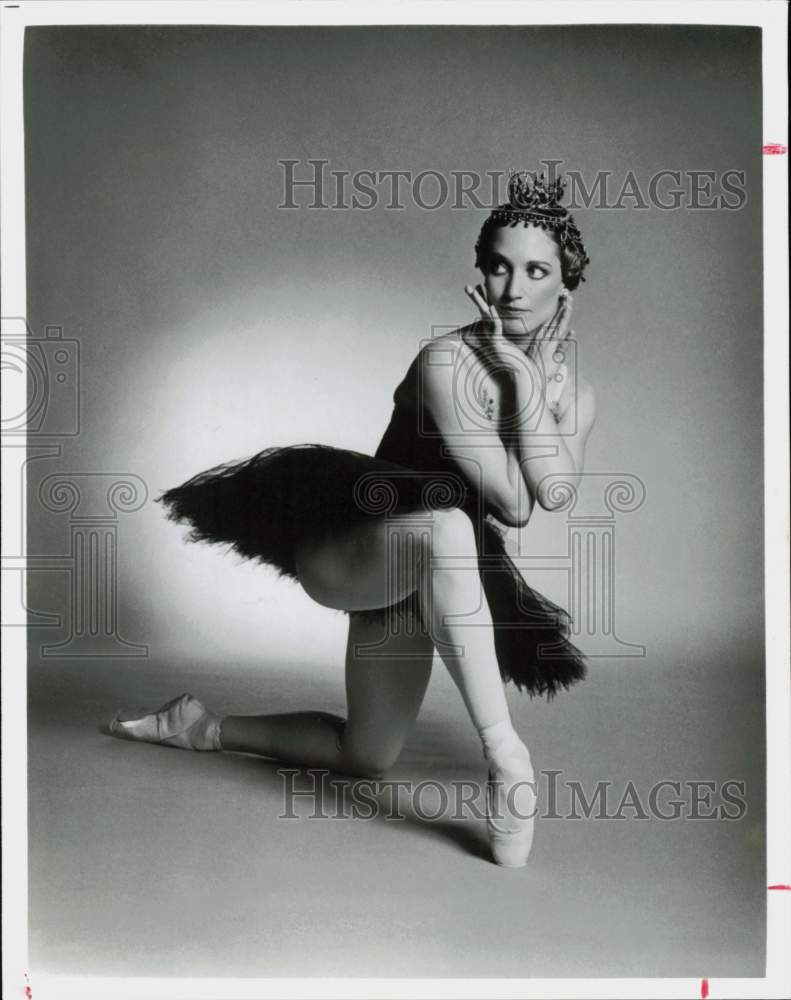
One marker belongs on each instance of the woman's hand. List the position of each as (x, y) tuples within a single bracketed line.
[(549, 350), (544, 362), (554, 393), (506, 355)]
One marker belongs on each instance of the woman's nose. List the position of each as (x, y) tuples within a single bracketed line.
[(513, 287)]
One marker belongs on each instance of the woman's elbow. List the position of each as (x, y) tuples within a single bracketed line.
[(521, 518), (518, 513), (555, 493), (550, 503)]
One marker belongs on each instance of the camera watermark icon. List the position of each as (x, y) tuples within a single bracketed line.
[(41, 391), (408, 504), (41, 379), (477, 412), (588, 563)]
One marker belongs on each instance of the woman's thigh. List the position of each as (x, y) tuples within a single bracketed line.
[(372, 564), (387, 673), (378, 562)]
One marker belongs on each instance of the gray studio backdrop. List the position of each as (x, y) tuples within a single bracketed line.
[(212, 324), (207, 323)]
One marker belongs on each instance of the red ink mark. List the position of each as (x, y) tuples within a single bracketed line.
[(774, 149), (704, 988), (779, 886)]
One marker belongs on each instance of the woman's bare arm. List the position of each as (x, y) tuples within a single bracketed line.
[(481, 456), (539, 448), (577, 422), (542, 448)]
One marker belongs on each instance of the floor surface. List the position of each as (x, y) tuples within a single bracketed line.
[(150, 861)]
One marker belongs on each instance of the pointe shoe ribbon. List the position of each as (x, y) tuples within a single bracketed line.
[(183, 722), (510, 803)]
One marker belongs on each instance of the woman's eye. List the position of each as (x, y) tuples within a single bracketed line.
[(536, 272), (497, 267)]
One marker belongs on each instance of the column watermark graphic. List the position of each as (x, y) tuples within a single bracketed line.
[(590, 503), (42, 378), (93, 502), (589, 561)]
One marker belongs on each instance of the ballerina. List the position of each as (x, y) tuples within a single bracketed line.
[(390, 539)]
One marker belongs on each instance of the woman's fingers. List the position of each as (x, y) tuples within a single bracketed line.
[(548, 329), (561, 347), (560, 312), (478, 298), (547, 339), (557, 320), (472, 294), (497, 323), (553, 349), (541, 333), (481, 291), (565, 319)]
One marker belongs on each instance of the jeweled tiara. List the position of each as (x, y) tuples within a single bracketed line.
[(532, 200)]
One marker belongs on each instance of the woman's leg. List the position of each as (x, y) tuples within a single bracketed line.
[(384, 691), (437, 552), (373, 565), (434, 552), (377, 564), (387, 672), (459, 619)]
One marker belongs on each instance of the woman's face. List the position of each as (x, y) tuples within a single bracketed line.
[(522, 277)]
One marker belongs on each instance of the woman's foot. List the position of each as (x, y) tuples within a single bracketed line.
[(510, 802), (183, 722)]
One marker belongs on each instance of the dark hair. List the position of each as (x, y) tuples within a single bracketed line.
[(535, 201), (573, 260)]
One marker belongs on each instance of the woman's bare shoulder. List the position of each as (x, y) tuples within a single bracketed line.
[(455, 344), (446, 364)]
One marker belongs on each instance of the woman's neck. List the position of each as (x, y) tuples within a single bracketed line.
[(524, 341)]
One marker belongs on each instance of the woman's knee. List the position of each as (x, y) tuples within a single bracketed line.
[(452, 531), (368, 762)]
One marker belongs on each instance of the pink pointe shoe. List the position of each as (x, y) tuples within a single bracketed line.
[(183, 722), (510, 803)]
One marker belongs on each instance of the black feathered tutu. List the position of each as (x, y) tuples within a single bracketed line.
[(263, 505)]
